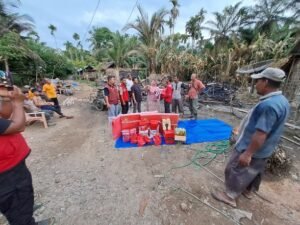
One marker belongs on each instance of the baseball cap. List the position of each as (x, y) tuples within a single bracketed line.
[(274, 74)]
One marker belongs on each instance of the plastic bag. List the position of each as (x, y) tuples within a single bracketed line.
[(141, 141), (147, 139), (157, 140), (134, 139)]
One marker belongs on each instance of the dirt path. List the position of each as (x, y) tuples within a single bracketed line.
[(81, 179)]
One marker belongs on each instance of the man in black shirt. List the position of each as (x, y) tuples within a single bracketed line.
[(136, 95)]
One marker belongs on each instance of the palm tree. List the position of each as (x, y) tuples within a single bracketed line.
[(174, 12), (69, 49), (34, 35), (269, 14), (193, 26), (121, 48), (227, 22), (149, 32), (53, 29), (76, 37), (13, 21)]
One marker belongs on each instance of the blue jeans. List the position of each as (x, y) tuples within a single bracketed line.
[(52, 108), (114, 110)]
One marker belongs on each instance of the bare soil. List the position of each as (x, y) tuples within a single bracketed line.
[(81, 179)]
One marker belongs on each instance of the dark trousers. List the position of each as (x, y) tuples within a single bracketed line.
[(177, 106), (193, 105), (137, 106), (125, 108), (167, 107), (16, 196), (238, 178), (52, 108), (56, 104)]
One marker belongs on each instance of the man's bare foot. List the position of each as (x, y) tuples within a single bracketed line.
[(223, 197)]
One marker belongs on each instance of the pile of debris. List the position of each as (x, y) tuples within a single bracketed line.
[(279, 163), (220, 94)]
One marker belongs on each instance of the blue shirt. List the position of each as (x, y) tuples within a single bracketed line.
[(269, 116)]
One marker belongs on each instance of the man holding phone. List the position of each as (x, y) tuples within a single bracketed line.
[(16, 190)]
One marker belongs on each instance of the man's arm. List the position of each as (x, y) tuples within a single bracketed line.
[(133, 97), (106, 93), (201, 87), (264, 124), (257, 141), (17, 120)]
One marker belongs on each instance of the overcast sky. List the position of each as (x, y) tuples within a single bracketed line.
[(71, 16)]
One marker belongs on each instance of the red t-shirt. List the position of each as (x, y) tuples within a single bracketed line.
[(124, 93), (168, 93), (13, 148)]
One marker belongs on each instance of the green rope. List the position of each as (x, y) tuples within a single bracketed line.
[(209, 153)]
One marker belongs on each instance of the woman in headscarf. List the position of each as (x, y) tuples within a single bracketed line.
[(153, 97)]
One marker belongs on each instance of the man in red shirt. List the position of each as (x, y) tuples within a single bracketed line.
[(195, 88), (124, 96), (111, 94), (16, 191), (168, 95)]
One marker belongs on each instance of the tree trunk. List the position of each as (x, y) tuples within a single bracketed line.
[(6, 66)]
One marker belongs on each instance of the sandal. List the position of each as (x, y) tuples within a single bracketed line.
[(50, 221), (222, 197), (248, 194)]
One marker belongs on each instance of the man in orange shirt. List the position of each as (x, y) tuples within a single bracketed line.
[(50, 91), (195, 88)]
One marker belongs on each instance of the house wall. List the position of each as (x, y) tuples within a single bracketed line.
[(293, 85)]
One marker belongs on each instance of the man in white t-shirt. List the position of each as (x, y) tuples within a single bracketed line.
[(129, 84)]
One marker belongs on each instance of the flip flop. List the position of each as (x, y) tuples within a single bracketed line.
[(50, 221), (248, 194), (221, 196), (69, 117)]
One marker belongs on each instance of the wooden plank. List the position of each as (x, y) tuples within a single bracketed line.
[(293, 126), (290, 140)]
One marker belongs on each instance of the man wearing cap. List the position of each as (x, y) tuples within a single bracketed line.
[(259, 133)]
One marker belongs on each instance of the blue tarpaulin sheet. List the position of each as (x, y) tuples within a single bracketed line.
[(198, 131)]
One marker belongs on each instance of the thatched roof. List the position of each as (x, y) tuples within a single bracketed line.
[(108, 65), (296, 49), (255, 67)]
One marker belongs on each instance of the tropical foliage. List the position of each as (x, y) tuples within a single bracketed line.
[(215, 48)]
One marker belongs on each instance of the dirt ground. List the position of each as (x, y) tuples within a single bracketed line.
[(81, 179)]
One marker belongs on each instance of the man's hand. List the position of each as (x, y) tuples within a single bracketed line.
[(245, 159), (123, 103), (16, 95), (108, 105)]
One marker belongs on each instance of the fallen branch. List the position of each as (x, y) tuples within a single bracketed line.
[(286, 124), (290, 140), (210, 206)]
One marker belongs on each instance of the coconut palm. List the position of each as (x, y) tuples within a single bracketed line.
[(174, 13), (149, 32), (121, 47), (228, 21), (53, 29), (13, 21), (269, 14), (193, 26), (69, 49)]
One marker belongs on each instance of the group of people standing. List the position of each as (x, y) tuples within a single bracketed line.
[(129, 93)]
